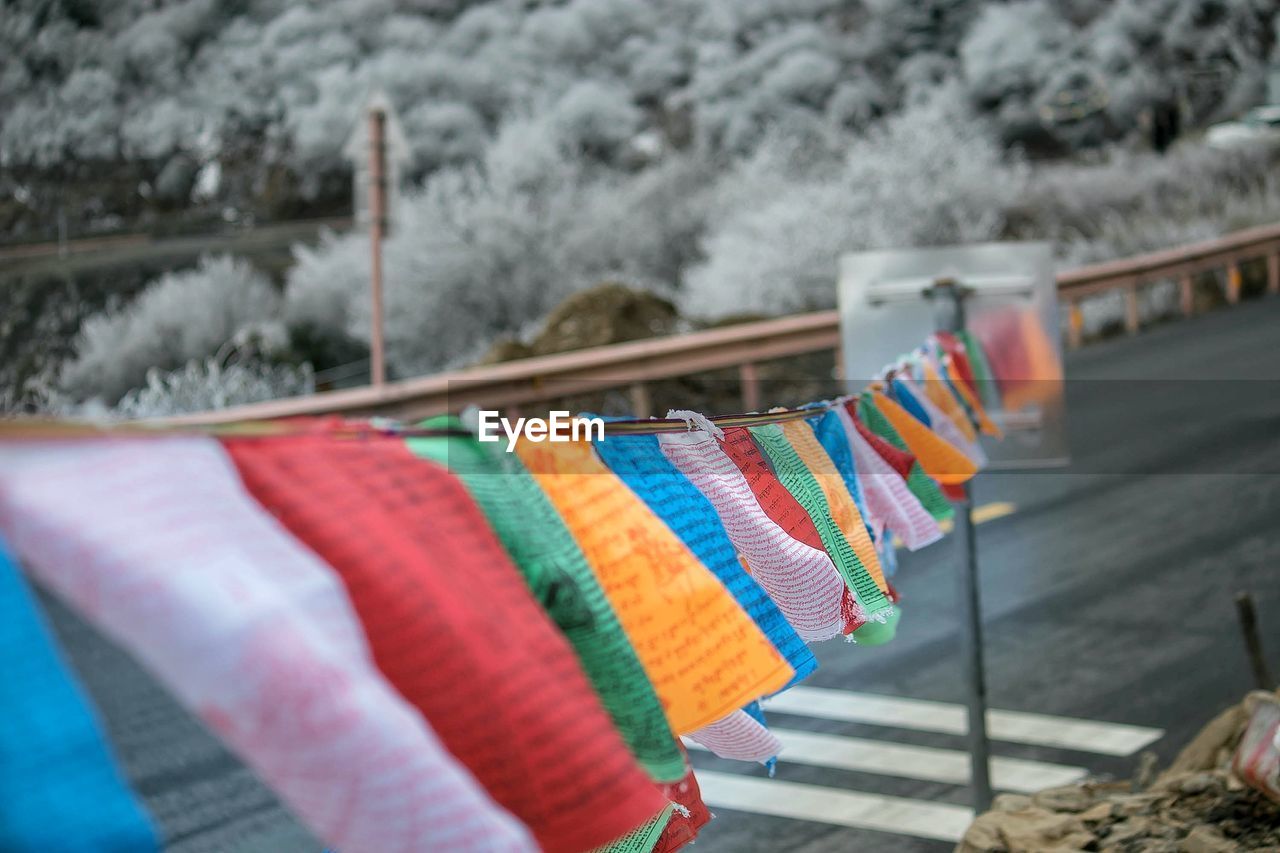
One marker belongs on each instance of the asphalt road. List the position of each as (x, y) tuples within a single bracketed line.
[(1108, 595)]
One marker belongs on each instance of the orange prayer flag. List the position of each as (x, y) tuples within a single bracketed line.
[(938, 393), (971, 400), (940, 460), (843, 509), (704, 655)]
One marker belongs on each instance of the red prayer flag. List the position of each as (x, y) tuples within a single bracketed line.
[(455, 629), (959, 359), (683, 828), (778, 503), (901, 460)]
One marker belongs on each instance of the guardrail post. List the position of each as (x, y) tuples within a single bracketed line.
[(1233, 283), (1075, 324), (641, 406), (1187, 294), (750, 382), (1132, 322), (1273, 272)]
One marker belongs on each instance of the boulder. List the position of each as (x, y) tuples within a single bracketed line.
[(1195, 806)]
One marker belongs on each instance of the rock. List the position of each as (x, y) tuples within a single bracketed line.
[(505, 349), (1134, 804), (1129, 830), (1220, 733), (1069, 798), (608, 313), (1202, 839), (1199, 783), (1011, 803), (1029, 830), (1096, 813), (1156, 845), (1146, 772), (1195, 807)]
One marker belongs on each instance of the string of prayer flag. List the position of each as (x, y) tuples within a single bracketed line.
[(419, 639)]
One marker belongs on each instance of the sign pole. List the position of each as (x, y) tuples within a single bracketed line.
[(948, 297), (377, 224), (971, 645)]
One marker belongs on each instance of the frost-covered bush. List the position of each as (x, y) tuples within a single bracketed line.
[(1126, 202), (930, 175), (206, 384), (183, 316), (596, 119)]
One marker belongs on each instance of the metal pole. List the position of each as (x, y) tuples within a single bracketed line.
[(377, 222), (971, 648), (948, 296)]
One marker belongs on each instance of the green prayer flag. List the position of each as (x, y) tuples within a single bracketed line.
[(920, 483), (879, 633), (555, 569), (988, 392)]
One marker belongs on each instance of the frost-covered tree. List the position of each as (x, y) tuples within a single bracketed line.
[(144, 80), (1193, 54), (931, 175), (486, 251), (1009, 56)]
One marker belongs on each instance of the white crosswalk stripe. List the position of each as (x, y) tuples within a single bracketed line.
[(898, 815), (902, 815), (947, 718), (915, 762)]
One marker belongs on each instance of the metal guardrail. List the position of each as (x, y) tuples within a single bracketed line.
[(630, 365), (533, 380), (1179, 264)]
